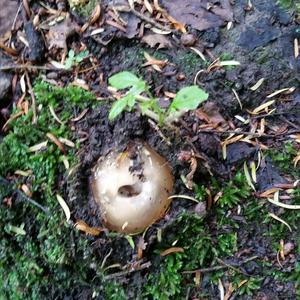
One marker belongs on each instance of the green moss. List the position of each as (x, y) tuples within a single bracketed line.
[(86, 9), (290, 4), (283, 158), (166, 283), (43, 251)]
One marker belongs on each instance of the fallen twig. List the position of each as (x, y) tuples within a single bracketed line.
[(28, 67), (212, 131), (126, 272), (23, 196), (224, 266)]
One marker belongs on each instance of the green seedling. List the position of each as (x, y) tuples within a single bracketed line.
[(188, 98), (74, 59)]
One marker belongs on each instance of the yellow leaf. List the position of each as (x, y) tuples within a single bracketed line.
[(64, 206), (248, 178), (257, 84)]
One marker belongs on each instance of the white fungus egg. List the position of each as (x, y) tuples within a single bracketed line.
[(132, 188)]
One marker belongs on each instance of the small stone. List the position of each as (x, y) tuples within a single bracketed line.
[(5, 84), (288, 248), (200, 209), (188, 39), (36, 43), (180, 76), (5, 78)]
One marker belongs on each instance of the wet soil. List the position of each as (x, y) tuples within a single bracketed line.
[(262, 41)]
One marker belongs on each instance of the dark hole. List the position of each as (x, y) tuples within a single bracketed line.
[(130, 190)]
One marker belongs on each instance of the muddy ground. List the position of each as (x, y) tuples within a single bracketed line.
[(261, 39), (268, 55)]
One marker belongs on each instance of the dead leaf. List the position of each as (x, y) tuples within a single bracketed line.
[(58, 34), (210, 114), (172, 250), (141, 247), (64, 206), (93, 18), (56, 141), (155, 63), (82, 226), (177, 25), (157, 40), (196, 14)]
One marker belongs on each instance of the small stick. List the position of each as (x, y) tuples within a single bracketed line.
[(150, 21), (144, 18), (276, 114), (28, 67), (249, 133), (156, 128), (124, 273), (282, 118), (224, 266), (23, 195)]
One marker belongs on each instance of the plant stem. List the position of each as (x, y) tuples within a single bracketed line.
[(152, 115)]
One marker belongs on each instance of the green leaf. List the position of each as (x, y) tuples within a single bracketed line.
[(144, 106), (81, 56), (120, 105), (138, 88), (123, 80), (130, 241), (68, 63), (71, 53), (188, 98)]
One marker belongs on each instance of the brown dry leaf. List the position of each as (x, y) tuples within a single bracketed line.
[(197, 278), (172, 250), (93, 18), (80, 116), (82, 226), (196, 14), (56, 141), (193, 167), (262, 107), (148, 6), (9, 50), (157, 40), (169, 94), (229, 291), (285, 91), (155, 63), (58, 34), (210, 114), (296, 159), (7, 15), (268, 193), (296, 137), (141, 247), (177, 25)]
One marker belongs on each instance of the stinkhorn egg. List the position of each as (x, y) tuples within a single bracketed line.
[(132, 188)]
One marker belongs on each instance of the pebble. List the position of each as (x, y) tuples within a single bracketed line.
[(188, 39)]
